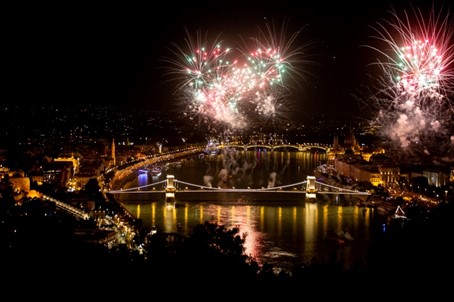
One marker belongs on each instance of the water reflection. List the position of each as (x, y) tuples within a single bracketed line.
[(279, 232)]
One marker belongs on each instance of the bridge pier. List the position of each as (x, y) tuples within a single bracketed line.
[(170, 189)]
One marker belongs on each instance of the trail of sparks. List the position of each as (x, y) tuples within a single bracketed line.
[(233, 86), (413, 95)]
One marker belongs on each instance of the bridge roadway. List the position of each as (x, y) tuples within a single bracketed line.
[(183, 190)]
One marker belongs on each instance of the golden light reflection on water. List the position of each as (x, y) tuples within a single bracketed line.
[(293, 231), (309, 221), (262, 217), (339, 219), (355, 217), (153, 213), (294, 218), (169, 215), (201, 215), (325, 220), (279, 221), (186, 217)]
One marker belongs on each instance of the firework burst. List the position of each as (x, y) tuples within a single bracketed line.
[(234, 87), (413, 95)]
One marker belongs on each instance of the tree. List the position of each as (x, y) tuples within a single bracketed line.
[(213, 254), (92, 187)]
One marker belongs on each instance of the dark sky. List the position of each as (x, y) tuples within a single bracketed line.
[(113, 53)]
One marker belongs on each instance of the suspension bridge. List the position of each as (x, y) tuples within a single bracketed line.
[(169, 187)]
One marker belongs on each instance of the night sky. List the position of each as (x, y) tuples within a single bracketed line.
[(113, 53)]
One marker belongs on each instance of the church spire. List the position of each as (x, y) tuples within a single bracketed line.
[(113, 152)]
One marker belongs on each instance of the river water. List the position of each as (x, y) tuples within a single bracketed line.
[(280, 231)]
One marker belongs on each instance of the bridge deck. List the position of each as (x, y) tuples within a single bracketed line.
[(191, 191), (206, 195)]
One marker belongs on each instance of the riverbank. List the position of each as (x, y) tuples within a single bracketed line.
[(117, 181), (328, 175)]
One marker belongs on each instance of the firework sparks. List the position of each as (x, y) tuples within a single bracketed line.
[(413, 95), (233, 86)]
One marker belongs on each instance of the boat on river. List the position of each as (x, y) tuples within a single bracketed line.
[(399, 214), (156, 171), (399, 219)]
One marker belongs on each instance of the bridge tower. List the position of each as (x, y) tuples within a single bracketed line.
[(170, 190), (311, 190)]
